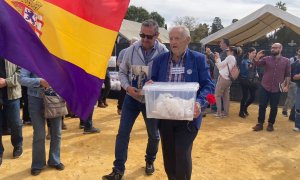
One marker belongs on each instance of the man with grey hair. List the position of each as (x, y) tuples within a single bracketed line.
[(177, 136), (139, 55), (276, 79)]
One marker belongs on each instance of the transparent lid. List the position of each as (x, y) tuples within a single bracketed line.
[(172, 86)]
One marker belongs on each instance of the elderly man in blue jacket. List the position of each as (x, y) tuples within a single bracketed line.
[(177, 136)]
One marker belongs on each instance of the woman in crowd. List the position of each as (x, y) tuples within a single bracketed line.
[(36, 87), (249, 80), (224, 82)]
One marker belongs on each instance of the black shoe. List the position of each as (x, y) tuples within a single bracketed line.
[(6, 132), (81, 126), (258, 127), (246, 112), (91, 131), (115, 175), (149, 168), (270, 127), (17, 152), (35, 172), (101, 105), (1, 157), (284, 113), (242, 115), (59, 167)]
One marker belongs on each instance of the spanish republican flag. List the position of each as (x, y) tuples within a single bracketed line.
[(66, 42)]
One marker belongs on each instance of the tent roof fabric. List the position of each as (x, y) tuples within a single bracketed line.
[(130, 29), (254, 26)]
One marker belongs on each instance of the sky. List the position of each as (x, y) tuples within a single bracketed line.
[(205, 11)]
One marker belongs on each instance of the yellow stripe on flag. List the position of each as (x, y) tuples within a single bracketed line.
[(77, 41)]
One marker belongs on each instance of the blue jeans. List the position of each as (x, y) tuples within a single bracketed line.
[(297, 108), (265, 97), (88, 123), (130, 111), (36, 110), (10, 110)]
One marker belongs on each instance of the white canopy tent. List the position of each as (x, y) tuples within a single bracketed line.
[(130, 29), (252, 27)]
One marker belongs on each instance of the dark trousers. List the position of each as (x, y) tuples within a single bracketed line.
[(131, 109), (10, 110), (105, 91), (265, 98), (88, 123), (177, 139), (247, 89), (24, 105), (121, 98)]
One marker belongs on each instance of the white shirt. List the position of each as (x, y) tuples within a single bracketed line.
[(222, 66)]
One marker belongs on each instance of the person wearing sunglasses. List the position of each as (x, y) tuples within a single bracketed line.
[(138, 56)]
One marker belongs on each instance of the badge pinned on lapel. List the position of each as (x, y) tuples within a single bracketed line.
[(189, 71)]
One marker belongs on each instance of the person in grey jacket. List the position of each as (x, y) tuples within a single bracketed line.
[(35, 91), (139, 55), (10, 94)]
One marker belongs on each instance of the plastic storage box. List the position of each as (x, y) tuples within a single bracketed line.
[(169, 100)]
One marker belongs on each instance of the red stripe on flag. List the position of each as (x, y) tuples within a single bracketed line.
[(105, 13)]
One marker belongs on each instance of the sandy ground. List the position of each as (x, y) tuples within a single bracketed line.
[(223, 149)]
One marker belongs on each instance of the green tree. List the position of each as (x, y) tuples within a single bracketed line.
[(158, 18), (216, 25), (188, 21), (139, 14), (200, 32), (281, 5)]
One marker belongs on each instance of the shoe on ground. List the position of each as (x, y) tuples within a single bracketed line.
[(27, 123), (258, 127), (35, 172), (242, 115), (105, 104), (119, 111), (284, 113), (218, 115), (270, 127), (91, 131), (58, 167), (48, 137), (101, 105), (81, 126), (115, 175), (246, 113), (149, 168), (296, 129), (1, 157), (17, 152)]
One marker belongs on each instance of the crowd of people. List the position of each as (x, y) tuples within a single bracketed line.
[(147, 60)]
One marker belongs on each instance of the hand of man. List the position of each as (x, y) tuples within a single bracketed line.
[(134, 92), (197, 110), (149, 82), (2, 83), (44, 83), (259, 55)]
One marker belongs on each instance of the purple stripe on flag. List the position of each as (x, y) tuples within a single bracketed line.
[(20, 45)]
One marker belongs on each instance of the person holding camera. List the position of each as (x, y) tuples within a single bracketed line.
[(276, 79)]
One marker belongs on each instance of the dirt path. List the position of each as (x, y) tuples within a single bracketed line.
[(224, 149)]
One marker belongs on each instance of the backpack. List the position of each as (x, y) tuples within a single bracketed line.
[(234, 72)]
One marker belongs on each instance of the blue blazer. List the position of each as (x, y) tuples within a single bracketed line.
[(194, 61)]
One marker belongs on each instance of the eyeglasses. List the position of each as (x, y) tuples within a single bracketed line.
[(147, 36)]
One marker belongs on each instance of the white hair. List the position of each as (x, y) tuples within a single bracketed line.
[(184, 30)]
